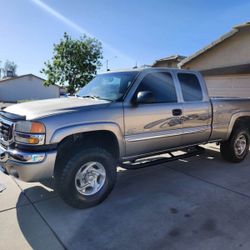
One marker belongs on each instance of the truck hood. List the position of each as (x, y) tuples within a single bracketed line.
[(38, 109)]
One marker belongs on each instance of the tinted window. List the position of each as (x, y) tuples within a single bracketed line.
[(161, 85), (190, 86)]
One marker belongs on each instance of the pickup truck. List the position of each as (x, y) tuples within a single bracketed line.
[(117, 117)]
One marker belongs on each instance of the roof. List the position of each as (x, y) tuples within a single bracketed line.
[(121, 70), (149, 70), (18, 77), (170, 58), (234, 30)]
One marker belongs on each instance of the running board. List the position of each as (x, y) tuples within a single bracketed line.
[(151, 161)]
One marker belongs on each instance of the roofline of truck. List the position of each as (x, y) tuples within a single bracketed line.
[(149, 69)]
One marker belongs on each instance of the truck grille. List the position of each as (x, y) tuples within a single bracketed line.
[(6, 128)]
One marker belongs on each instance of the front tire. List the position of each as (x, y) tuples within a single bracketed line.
[(87, 178), (237, 147)]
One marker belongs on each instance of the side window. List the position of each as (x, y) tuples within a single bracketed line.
[(190, 86), (161, 85)]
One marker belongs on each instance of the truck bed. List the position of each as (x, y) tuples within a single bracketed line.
[(225, 111)]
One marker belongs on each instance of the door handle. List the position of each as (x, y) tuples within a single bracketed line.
[(176, 112)]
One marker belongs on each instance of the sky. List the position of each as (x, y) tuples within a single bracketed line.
[(132, 32)]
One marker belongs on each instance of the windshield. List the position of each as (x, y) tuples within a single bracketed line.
[(111, 86)]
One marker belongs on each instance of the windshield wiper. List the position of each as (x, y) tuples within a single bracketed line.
[(90, 96), (94, 97)]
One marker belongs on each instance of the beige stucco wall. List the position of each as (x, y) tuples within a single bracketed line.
[(228, 85), (26, 88), (232, 51)]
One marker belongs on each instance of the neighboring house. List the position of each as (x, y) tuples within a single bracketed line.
[(26, 87), (169, 62), (225, 63)]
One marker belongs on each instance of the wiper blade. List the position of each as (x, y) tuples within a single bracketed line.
[(95, 97), (90, 96)]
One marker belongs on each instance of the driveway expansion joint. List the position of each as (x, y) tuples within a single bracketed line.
[(211, 183), (11, 208)]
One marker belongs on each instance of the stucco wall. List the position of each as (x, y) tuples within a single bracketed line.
[(26, 88), (232, 51)]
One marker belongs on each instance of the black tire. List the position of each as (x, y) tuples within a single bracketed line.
[(228, 149), (65, 177)]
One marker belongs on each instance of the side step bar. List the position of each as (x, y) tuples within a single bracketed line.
[(151, 161)]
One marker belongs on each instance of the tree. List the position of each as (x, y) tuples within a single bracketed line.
[(9, 68), (74, 62)]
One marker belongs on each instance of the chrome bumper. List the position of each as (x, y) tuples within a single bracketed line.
[(27, 166)]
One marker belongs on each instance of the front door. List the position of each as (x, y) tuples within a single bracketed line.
[(155, 126)]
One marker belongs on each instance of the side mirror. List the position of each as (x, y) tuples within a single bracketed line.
[(145, 97)]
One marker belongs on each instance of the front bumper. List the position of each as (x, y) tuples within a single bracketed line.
[(27, 166)]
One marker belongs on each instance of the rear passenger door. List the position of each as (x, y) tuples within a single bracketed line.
[(196, 116)]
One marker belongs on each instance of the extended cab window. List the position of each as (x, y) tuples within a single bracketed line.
[(190, 86), (161, 85)]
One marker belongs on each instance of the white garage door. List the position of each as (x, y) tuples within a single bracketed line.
[(230, 85)]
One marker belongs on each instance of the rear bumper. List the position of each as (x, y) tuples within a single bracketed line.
[(27, 166)]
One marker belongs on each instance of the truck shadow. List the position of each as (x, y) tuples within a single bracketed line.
[(163, 189)]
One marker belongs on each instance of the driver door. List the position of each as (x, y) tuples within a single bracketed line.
[(155, 126)]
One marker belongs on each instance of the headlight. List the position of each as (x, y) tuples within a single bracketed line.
[(27, 132), (30, 127)]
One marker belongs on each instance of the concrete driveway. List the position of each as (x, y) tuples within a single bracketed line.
[(197, 203)]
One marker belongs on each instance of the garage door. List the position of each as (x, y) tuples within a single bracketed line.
[(230, 85)]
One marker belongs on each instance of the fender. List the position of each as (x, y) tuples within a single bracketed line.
[(233, 119), (63, 132)]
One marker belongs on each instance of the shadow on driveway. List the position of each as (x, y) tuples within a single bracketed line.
[(187, 204)]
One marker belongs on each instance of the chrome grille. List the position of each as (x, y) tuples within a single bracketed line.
[(6, 130)]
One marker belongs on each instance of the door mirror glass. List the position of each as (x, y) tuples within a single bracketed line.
[(145, 97)]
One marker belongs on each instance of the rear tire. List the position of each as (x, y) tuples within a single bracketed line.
[(237, 147), (87, 178)]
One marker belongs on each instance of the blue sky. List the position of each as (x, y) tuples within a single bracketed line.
[(131, 31)]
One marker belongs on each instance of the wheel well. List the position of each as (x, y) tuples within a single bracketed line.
[(76, 142), (243, 121)]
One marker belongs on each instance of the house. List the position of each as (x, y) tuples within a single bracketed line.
[(169, 62), (225, 63), (26, 87)]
